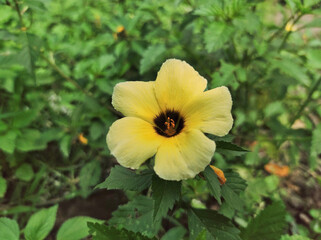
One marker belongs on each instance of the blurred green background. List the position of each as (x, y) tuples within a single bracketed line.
[(59, 62)]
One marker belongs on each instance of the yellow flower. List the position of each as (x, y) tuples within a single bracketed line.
[(82, 139), (168, 118), (290, 27)]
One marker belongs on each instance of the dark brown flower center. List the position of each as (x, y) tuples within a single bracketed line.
[(169, 123)]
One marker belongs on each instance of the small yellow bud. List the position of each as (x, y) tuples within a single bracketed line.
[(82, 139)]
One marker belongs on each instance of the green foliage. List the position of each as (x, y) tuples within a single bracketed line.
[(25, 172), (315, 147), (125, 179), (54, 87), (9, 229), (213, 183), (174, 233), (41, 223), (3, 187), (89, 176), (216, 226), (136, 216), (75, 228), (230, 149), (294, 237), (103, 232), (165, 194), (269, 224), (232, 188)]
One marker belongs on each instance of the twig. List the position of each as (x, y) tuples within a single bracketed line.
[(306, 102)]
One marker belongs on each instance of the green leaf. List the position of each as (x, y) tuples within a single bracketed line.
[(96, 130), (125, 179), (3, 187), (165, 194), (213, 183), (216, 35), (41, 223), (24, 172), (9, 229), (232, 188), (64, 145), (29, 53), (8, 141), (136, 216), (294, 237), (6, 35), (230, 149), (75, 228), (315, 149), (174, 233), (37, 5), (103, 232), (152, 56), (89, 176), (217, 226), (30, 140), (269, 224)]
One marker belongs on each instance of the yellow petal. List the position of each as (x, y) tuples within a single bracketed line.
[(183, 156), (136, 99), (210, 112), (177, 83), (132, 141)]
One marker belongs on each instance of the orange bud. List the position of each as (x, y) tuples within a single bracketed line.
[(220, 174), (82, 139), (120, 29), (281, 171)]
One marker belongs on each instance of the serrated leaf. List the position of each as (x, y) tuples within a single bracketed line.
[(152, 56), (136, 216), (165, 194), (315, 149), (75, 228), (3, 187), (125, 179), (269, 224), (41, 223), (230, 149), (104, 232), (9, 229), (216, 35), (232, 188), (213, 183), (217, 226), (24, 172)]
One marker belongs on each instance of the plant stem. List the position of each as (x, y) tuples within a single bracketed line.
[(62, 74), (16, 4), (306, 102), (289, 32)]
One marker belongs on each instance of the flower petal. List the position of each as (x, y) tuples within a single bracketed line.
[(177, 83), (132, 141), (136, 99), (211, 112), (184, 155)]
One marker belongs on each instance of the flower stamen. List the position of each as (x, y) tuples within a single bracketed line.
[(170, 127)]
